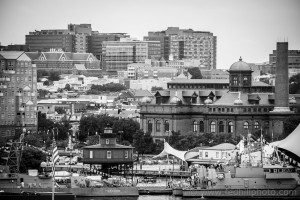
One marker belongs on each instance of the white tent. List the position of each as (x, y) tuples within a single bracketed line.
[(170, 150), (291, 142)]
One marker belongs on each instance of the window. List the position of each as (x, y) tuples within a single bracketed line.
[(246, 125), (126, 154), (206, 154), (149, 126), (212, 127), (201, 126), (235, 80), (217, 154), (195, 127), (167, 126), (230, 127), (221, 127), (158, 126), (107, 141), (256, 125), (108, 154), (200, 154), (91, 154)]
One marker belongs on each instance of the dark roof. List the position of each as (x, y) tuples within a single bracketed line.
[(189, 93), (200, 81), (108, 146), (260, 84), (163, 93)]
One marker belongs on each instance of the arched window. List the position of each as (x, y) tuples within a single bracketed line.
[(212, 127), (201, 126), (158, 126), (230, 127), (167, 126), (150, 126), (195, 126), (235, 80), (256, 125), (246, 125), (221, 127)]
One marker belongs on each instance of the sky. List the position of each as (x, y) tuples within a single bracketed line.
[(246, 28)]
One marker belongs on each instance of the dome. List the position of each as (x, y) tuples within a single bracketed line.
[(175, 100), (208, 101), (293, 101), (238, 102), (240, 66), (146, 100), (43, 164)]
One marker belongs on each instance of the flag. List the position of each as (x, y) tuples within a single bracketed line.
[(55, 155)]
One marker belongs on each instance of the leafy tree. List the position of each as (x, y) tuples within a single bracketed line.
[(294, 84), (31, 159), (290, 124), (155, 88), (33, 140), (44, 124), (62, 129), (41, 73), (42, 93), (195, 72), (143, 143), (60, 110), (47, 83), (68, 87), (109, 87), (54, 76)]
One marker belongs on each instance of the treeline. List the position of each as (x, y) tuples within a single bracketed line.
[(109, 87)]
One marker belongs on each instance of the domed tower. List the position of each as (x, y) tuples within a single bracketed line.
[(240, 77)]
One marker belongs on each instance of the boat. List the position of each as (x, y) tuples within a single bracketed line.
[(248, 179), (36, 196), (79, 185)]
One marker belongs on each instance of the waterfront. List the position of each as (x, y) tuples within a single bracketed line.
[(141, 197)]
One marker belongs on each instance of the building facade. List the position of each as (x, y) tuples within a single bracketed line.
[(64, 62), (237, 106), (18, 93), (293, 58), (45, 40), (187, 44)]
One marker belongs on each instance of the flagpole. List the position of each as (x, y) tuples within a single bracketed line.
[(53, 176)]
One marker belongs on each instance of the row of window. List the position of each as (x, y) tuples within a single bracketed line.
[(158, 126), (187, 86), (212, 127), (108, 154)]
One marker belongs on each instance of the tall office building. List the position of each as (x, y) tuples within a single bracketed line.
[(80, 39), (45, 40), (164, 43), (95, 41), (118, 54), (188, 44), (18, 100)]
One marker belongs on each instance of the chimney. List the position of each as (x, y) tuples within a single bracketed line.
[(282, 79)]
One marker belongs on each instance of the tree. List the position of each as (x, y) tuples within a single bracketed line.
[(60, 110), (41, 73), (109, 87), (294, 87), (155, 88), (290, 124), (31, 159), (143, 143), (47, 83), (44, 124), (34, 140), (195, 72), (54, 76), (42, 93), (68, 87)]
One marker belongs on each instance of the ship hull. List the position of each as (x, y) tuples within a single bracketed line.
[(85, 192), (241, 193)]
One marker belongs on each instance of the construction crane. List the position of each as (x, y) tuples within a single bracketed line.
[(14, 150)]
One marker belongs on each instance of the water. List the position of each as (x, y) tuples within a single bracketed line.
[(141, 197)]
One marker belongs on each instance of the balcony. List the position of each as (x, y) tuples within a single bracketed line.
[(9, 71), (3, 86)]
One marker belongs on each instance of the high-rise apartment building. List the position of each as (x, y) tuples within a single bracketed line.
[(293, 58), (118, 54), (164, 43), (81, 33), (187, 44), (18, 99)]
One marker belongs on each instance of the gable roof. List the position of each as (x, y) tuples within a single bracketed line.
[(163, 93), (12, 55), (142, 93), (200, 81), (80, 66)]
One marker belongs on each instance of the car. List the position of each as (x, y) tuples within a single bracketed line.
[(149, 179)]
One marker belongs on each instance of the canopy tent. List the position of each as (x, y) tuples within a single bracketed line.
[(291, 142), (170, 150)]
